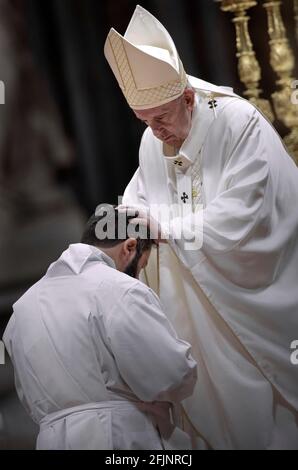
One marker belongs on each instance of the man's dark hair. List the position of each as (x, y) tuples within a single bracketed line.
[(110, 227)]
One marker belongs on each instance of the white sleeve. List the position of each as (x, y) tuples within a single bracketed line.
[(135, 192), (151, 359), (8, 334), (8, 339)]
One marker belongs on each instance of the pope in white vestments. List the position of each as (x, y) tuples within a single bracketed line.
[(234, 293), (97, 364)]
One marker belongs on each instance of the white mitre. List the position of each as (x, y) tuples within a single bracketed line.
[(145, 62)]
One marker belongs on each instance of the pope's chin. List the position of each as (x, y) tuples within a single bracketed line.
[(173, 141)]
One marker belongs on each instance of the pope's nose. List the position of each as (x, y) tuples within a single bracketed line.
[(158, 131)]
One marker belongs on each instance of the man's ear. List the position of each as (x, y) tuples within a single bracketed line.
[(129, 246), (189, 96)]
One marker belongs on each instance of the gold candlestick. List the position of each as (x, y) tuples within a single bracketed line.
[(248, 66), (282, 62)]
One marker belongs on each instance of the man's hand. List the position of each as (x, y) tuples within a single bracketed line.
[(143, 218)]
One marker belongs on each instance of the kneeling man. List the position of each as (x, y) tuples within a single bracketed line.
[(97, 364)]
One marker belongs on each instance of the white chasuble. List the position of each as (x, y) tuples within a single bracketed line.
[(235, 298)]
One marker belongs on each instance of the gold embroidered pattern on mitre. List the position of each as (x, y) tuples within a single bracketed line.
[(135, 97)]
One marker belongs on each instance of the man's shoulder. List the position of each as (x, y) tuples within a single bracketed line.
[(29, 294), (234, 114), (118, 284), (238, 109), (229, 105), (120, 297)]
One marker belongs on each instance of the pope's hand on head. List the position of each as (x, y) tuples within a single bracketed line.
[(133, 210), (144, 219)]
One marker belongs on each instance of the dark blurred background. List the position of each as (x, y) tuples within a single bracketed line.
[(68, 140)]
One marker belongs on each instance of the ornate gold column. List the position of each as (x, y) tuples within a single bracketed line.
[(248, 66), (282, 62)]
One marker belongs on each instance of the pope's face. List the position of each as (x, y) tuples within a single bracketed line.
[(170, 122)]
